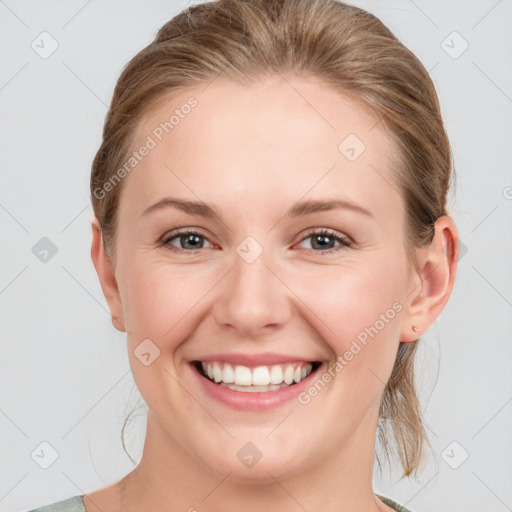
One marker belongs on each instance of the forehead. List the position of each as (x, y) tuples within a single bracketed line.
[(278, 139)]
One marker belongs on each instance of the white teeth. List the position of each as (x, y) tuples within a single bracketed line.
[(264, 378), (276, 374), (260, 376), (228, 375), (243, 376), (217, 372), (288, 375)]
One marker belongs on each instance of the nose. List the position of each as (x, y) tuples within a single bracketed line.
[(253, 299)]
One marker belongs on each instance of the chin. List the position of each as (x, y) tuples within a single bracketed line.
[(250, 465)]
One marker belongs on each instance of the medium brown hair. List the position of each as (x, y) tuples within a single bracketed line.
[(344, 46)]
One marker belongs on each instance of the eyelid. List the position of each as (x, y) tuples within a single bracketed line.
[(182, 231), (327, 231)]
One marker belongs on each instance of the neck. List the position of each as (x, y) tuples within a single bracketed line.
[(169, 478)]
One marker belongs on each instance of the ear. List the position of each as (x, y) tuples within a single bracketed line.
[(433, 280), (106, 274)]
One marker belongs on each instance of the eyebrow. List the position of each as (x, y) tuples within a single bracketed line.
[(299, 209)]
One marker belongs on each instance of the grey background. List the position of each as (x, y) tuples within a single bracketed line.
[(64, 372)]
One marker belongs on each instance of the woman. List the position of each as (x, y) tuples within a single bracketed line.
[(271, 233)]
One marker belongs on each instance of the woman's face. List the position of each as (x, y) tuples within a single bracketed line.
[(259, 284)]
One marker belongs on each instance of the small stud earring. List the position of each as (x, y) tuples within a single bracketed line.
[(414, 328)]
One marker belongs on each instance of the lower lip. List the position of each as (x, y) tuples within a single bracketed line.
[(253, 401)]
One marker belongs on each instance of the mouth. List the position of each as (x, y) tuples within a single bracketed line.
[(259, 379)]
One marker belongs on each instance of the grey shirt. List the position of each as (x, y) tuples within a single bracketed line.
[(76, 504)]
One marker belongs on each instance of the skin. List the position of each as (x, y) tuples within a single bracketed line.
[(252, 152)]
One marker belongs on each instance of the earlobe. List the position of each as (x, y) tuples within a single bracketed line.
[(106, 274), (435, 276)]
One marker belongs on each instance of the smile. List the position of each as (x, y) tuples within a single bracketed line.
[(255, 379)]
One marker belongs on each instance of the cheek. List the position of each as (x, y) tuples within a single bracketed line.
[(349, 299), (357, 310), (160, 299), (161, 306)]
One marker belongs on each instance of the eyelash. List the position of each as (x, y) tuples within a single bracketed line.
[(343, 240)]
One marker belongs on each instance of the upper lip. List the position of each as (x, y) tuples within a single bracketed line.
[(263, 359)]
